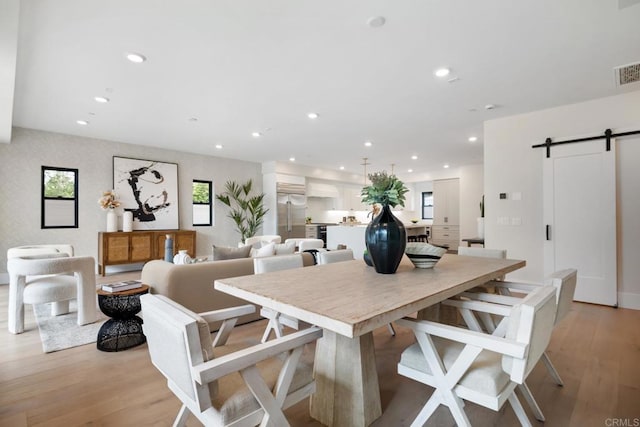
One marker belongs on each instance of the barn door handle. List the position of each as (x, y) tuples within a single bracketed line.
[(548, 232)]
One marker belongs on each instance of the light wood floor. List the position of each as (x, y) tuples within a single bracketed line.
[(596, 350)]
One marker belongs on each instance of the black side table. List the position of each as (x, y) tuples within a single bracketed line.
[(124, 329)]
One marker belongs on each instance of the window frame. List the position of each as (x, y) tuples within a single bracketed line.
[(423, 206), (44, 199), (210, 203)]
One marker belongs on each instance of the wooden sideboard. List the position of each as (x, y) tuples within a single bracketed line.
[(121, 247)]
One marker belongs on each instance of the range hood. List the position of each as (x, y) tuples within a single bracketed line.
[(317, 189)]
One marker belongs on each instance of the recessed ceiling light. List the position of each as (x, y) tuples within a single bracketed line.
[(446, 166), (368, 144), (473, 138), (376, 21), (136, 58), (489, 107), (313, 115), (219, 146), (409, 170), (442, 72), (256, 134), (82, 122), (292, 159), (341, 168), (193, 119), (414, 157), (101, 99)]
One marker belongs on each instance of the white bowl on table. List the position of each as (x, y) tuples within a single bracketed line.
[(424, 255)]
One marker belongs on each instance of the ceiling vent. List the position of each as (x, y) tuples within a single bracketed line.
[(627, 74)]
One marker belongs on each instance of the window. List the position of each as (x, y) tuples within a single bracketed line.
[(59, 198), (202, 212), (427, 205)]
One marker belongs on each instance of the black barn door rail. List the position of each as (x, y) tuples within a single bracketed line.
[(608, 134)]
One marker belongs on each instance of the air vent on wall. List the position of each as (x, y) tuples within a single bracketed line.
[(627, 74)]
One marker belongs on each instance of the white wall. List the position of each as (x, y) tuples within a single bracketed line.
[(511, 165), (20, 188)]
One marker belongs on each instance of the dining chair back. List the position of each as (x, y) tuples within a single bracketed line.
[(329, 257), (277, 320)]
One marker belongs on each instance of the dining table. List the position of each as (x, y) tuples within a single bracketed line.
[(348, 300)]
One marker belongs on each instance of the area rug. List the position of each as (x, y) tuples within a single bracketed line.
[(62, 332)]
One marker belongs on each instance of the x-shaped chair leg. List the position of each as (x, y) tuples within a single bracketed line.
[(444, 393), (272, 405), (273, 325)]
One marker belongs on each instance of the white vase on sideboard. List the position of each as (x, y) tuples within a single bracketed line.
[(112, 220)]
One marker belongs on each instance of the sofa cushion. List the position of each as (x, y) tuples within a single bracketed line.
[(267, 249), (285, 248), (223, 252)]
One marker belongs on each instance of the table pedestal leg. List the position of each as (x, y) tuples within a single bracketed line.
[(347, 390)]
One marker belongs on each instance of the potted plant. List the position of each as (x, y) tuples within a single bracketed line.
[(246, 211), (385, 236)]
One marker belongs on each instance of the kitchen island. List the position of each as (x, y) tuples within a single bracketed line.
[(353, 236)]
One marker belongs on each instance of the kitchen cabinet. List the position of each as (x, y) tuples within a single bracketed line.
[(119, 247), (351, 199), (446, 213)]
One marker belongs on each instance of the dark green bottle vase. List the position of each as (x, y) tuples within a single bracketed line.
[(386, 240)]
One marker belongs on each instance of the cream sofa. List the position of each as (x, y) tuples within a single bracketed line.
[(191, 285)]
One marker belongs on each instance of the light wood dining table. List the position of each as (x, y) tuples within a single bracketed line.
[(349, 300)]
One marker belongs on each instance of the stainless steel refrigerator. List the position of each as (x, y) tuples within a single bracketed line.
[(292, 204)]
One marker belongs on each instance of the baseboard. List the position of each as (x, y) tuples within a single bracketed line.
[(629, 300)]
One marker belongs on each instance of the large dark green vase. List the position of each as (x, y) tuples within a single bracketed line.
[(386, 240)]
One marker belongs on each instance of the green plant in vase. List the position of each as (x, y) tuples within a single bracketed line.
[(385, 236)]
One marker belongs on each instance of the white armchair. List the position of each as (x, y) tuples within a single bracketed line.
[(242, 388), (51, 277), (474, 366)]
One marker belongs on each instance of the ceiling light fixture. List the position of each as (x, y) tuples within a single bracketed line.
[(409, 170), (136, 58), (442, 72), (101, 99), (414, 157), (313, 115), (82, 122), (376, 21), (446, 166), (473, 138), (193, 119), (341, 168), (489, 107), (292, 159), (219, 146), (256, 134), (368, 144)]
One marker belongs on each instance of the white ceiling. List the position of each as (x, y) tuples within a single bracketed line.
[(240, 66)]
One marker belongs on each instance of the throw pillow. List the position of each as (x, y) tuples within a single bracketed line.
[(285, 248), (266, 250), (221, 252)]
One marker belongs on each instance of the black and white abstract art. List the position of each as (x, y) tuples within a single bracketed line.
[(149, 189)]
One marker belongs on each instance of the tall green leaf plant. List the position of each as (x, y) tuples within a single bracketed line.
[(246, 211)]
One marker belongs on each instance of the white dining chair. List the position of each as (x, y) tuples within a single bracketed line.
[(220, 387), (463, 364), (277, 320), (564, 282)]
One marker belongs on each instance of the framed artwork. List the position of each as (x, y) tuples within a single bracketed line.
[(149, 189)]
